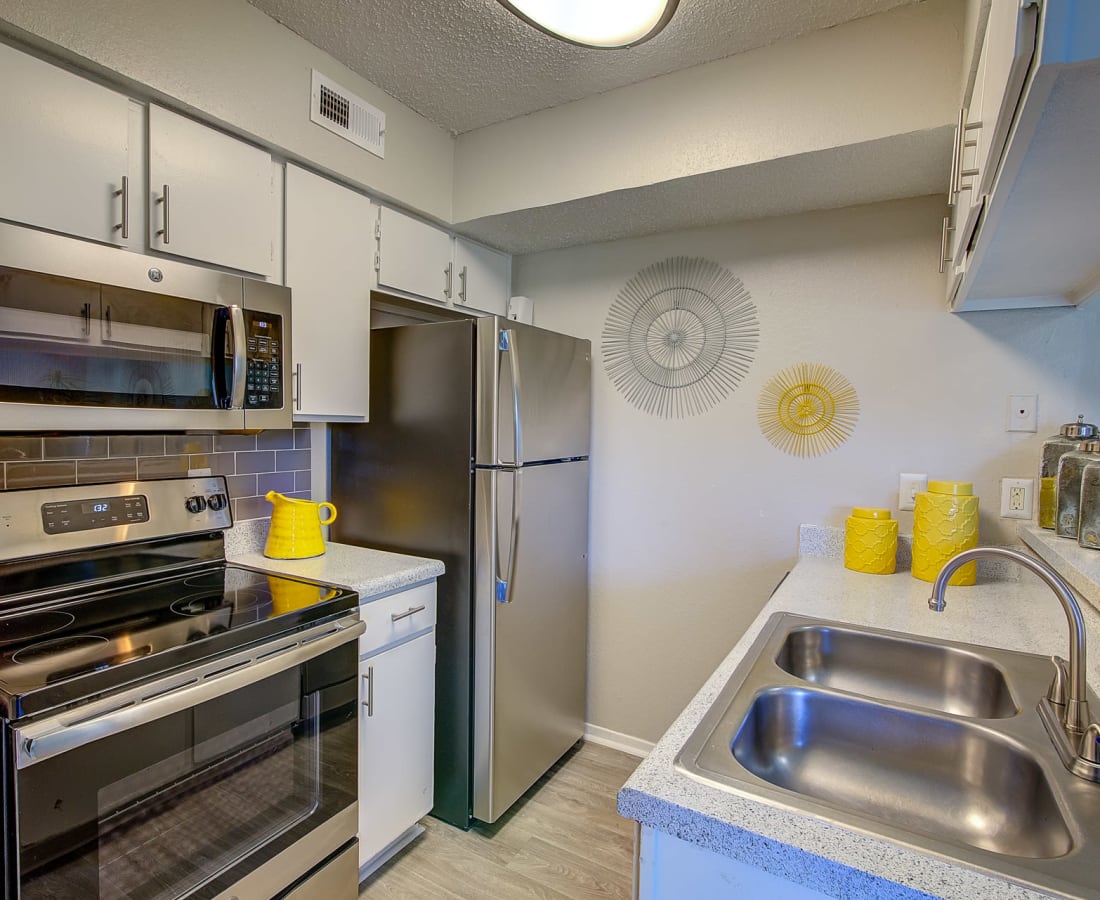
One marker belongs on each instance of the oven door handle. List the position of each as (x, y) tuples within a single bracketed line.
[(70, 730)]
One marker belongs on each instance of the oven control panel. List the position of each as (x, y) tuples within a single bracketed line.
[(102, 512)]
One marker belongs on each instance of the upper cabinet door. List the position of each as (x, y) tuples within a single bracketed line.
[(328, 271), (484, 278), (414, 257), (65, 170), (211, 196)]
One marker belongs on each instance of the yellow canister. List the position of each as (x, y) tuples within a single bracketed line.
[(945, 522), (871, 541)]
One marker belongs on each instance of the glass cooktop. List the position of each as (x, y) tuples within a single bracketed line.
[(56, 654)]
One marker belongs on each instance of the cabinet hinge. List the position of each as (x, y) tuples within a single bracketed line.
[(377, 263), (378, 229)]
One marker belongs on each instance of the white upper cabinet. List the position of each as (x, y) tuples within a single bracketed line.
[(211, 196), (414, 257), (427, 262), (65, 151), (328, 255), (484, 278), (1028, 236)]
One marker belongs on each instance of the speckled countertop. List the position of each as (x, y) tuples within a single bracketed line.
[(1014, 614), (372, 573)]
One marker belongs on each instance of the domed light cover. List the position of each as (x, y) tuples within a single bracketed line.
[(607, 23)]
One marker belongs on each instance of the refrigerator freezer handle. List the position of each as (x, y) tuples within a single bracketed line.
[(508, 345), (504, 587)]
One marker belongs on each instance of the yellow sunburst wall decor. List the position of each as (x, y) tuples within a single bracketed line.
[(680, 336), (808, 409)]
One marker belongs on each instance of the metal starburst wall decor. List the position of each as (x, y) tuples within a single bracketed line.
[(680, 336), (808, 409)]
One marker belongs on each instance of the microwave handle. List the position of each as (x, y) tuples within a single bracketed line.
[(240, 358), (52, 737), (218, 384)]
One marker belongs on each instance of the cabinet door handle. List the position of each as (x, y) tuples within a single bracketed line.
[(298, 387), (462, 285), (86, 315), (449, 272), (411, 611), (164, 231), (956, 152), (124, 193), (944, 258), (369, 686)]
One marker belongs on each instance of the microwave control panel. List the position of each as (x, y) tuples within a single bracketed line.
[(264, 333), (102, 512)]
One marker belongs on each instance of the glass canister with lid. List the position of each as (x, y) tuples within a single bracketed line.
[(1070, 469), (1069, 438), (945, 522)]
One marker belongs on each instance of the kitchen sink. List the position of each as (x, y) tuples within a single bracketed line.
[(933, 744), (947, 678)]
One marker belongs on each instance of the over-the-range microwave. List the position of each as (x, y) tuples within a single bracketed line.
[(95, 338)]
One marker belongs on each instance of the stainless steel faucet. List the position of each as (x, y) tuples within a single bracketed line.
[(1072, 698)]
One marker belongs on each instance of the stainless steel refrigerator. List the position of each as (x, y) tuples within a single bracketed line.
[(476, 453)]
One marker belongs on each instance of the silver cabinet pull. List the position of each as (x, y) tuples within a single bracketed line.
[(411, 611), (462, 285), (86, 315), (956, 152), (944, 258), (107, 320), (298, 386), (369, 702), (449, 273), (124, 193), (164, 231)]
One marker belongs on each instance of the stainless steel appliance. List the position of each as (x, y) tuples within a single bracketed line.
[(94, 337), (173, 726), (477, 454)]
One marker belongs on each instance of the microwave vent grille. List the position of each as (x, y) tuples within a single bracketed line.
[(343, 113)]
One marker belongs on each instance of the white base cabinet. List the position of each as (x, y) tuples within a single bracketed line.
[(672, 869), (396, 722)]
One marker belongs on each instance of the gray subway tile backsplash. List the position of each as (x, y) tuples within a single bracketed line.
[(252, 463)]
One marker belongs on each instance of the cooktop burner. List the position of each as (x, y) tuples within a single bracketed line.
[(48, 655), (21, 628)]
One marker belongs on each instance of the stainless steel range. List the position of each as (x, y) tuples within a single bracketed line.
[(173, 726)]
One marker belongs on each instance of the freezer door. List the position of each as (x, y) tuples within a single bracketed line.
[(531, 624), (538, 379)]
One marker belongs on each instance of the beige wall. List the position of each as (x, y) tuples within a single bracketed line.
[(891, 74), (227, 62), (693, 521)]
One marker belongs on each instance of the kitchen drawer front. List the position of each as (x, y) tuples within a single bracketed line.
[(397, 616)]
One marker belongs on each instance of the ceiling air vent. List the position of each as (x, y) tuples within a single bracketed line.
[(342, 113)]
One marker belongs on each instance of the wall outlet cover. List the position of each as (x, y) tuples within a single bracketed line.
[(1017, 497), (909, 485), (1023, 412)]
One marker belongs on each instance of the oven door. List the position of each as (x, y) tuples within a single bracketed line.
[(236, 778)]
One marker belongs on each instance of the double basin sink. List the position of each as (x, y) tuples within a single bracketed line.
[(933, 744)]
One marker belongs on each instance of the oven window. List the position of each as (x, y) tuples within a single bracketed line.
[(188, 804)]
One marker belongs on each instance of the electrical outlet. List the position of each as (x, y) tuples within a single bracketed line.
[(1023, 412), (1016, 497), (909, 485)]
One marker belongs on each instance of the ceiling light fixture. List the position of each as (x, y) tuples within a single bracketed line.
[(608, 23)]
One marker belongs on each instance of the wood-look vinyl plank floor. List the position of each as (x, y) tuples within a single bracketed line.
[(562, 840)]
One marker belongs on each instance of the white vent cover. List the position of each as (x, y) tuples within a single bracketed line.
[(351, 117)]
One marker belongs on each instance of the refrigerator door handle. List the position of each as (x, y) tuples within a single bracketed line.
[(508, 345), (504, 586)]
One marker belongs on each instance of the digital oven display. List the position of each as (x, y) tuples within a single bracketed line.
[(82, 515)]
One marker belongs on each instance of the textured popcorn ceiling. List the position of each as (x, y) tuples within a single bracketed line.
[(468, 63)]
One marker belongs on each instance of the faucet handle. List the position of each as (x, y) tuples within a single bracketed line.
[(1056, 694), (1089, 750)]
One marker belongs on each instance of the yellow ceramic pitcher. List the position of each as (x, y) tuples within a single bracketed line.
[(296, 527)]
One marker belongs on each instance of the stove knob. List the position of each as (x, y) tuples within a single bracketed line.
[(196, 504), (216, 502)]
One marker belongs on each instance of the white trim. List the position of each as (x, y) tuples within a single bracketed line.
[(616, 740), (391, 849)]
